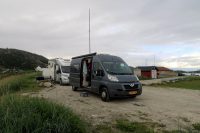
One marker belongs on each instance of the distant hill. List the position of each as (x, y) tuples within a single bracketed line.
[(14, 58)]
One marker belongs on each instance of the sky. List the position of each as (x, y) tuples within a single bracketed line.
[(142, 32)]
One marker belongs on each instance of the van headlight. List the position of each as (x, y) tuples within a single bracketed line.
[(112, 78)]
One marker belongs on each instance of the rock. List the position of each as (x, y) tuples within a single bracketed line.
[(47, 84), (41, 84)]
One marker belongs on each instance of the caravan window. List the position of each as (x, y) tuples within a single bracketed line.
[(65, 69)]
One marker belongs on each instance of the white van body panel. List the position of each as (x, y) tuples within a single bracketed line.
[(54, 65), (46, 73)]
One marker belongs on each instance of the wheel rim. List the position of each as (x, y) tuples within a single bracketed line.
[(103, 94)]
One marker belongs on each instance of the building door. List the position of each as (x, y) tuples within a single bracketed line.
[(154, 74)]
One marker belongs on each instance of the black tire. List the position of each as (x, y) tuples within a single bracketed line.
[(133, 97), (74, 88), (105, 95)]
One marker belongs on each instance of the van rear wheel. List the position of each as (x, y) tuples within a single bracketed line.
[(105, 95), (74, 88)]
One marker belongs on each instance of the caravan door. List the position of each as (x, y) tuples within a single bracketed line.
[(57, 73)]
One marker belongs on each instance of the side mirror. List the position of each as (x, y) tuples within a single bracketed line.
[(99, 73)]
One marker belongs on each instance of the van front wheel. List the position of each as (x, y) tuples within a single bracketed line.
[(105, 95)]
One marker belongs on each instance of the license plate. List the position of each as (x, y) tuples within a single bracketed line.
[(132, 92)]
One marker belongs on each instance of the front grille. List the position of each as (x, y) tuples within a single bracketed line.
[(128, 87)]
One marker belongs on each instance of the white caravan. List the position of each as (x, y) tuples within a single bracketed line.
[(59, 70)]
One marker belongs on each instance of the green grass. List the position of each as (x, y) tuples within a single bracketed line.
[(196, 126), (176, 131), (144, 78), (133, 127), (20, 114), (104, 128), (187, 83), (124, 126), (20, 82)]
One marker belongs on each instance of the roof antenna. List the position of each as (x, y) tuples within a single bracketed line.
[(89, 33)]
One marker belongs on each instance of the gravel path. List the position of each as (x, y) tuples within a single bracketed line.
[(170, 107)]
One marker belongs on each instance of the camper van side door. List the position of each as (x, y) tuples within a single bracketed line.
[(97, 75)]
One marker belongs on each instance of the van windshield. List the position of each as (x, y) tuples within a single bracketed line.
[(65, 69), (117, 68)]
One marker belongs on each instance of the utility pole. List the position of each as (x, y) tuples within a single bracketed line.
[(146, 62), (89, 33)]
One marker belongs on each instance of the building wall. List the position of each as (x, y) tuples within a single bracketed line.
[(146, 74), (154, 74), (162, 74)]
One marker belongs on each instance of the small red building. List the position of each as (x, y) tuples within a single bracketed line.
[(148, 71), (156, 72)]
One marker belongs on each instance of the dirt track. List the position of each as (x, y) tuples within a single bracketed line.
[(169, 107)]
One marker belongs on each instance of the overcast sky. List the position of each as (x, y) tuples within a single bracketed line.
[(136, 30)]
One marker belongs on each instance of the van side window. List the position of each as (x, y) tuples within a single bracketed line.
[(96, 66), (75, 68)]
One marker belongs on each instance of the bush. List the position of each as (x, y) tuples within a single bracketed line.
[(25, 115)]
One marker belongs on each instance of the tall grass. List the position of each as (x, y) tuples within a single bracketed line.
[(17, 83), (192, 83), (20, 114)]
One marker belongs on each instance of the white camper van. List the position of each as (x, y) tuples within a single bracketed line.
[(59, 70)]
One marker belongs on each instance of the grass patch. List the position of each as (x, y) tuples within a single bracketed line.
[(196, 126), (144, 78), (107, 128), (133, 127), (124, 126), (176, 131), (187, 83), (24, 114), (21, 82)]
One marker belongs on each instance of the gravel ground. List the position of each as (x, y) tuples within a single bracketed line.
[(172, 108)]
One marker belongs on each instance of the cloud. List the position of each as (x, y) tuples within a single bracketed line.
[(135, 30), (190, 61)]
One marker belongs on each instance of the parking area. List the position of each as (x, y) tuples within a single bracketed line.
[(170, 107)]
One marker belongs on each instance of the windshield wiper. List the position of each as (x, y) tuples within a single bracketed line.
[(112, 72), (125, 74)]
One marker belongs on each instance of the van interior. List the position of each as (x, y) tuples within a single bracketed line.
[(86, 72)]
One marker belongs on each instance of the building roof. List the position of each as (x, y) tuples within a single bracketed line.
[(147, 68), (163, 69)]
